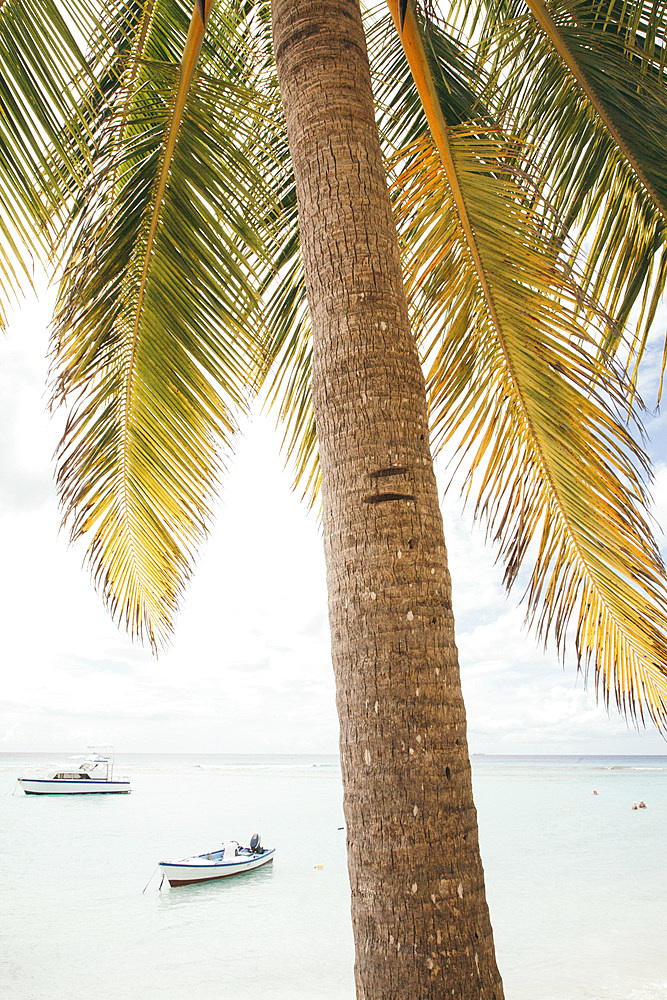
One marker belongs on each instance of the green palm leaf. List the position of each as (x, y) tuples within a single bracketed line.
[(44, 80), (156, 342), (585, 84), (290, 348), (456, 79)]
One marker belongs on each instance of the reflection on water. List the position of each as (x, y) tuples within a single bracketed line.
[(248, 884)]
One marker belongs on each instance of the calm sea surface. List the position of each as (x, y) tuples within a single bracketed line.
[(576, 882)]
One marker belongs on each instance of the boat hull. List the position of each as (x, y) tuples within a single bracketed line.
[(192, 870), (60, 786)]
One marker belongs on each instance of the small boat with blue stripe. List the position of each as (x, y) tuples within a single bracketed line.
[(231, 859), (92, 774)]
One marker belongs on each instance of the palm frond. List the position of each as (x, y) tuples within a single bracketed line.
[(517, 389), (288, 344), (585, 84), (517, 384), (155, 342), (44, 78), (290, 349), (400, 113), (286, 321)]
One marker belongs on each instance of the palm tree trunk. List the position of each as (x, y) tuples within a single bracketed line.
[(419, 911)]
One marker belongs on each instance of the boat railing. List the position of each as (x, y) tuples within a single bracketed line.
[(101, 755)]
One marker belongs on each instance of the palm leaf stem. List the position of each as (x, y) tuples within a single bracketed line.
[(188, 66), (410, 35), (189, 61), (547, 24)]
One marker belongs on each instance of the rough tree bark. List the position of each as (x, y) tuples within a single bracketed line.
[(419, 911)]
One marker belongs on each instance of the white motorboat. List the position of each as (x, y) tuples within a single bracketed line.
[(92, 774), (231, 859)]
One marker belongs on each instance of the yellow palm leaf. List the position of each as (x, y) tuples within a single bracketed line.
[(156, 341), (517, 387)]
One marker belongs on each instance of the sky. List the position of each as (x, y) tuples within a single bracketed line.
[(249, 668)]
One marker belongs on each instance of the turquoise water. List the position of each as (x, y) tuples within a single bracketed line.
[(575, 881)]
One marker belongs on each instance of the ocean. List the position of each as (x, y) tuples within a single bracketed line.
[(575, 881)]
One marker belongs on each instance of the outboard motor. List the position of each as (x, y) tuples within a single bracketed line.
[(256, 844)]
